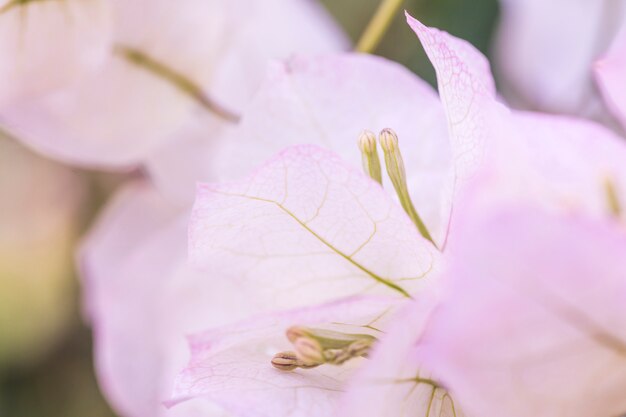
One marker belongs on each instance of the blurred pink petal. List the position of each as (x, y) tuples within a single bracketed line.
[(126, 110), (231, 365), (611, 76), (394, 381), (307, 228), (48, 45), (545, 52), (143, 300), (328, 100), (533, 316)]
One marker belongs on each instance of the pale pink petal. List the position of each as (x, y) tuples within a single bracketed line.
[(394, 381), (143, 300), (467, 92), (48, 45), (466, 86), (329, 100), (98, 122), (533, 321), (611, 76), (557, 162), (231, 365), (307, 228), (545, 51)]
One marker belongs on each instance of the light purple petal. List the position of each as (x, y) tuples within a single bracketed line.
[(231, 365), (307, 228)]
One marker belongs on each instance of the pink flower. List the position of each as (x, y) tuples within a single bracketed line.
[(307, 229), (168, 62), (532, 242)]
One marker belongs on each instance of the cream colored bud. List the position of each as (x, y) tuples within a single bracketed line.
[(309, 350), (369, 156), (388, 140), (285, 361)]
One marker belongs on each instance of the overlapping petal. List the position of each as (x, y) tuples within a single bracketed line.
[(143, 299), (47, 45), (165, 64), (545, 294), (231, 365), (328, 100), (307, 228)]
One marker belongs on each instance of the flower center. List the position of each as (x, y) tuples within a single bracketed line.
[(315, 347)]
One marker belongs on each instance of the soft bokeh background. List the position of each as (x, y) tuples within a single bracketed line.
[(45, 349)]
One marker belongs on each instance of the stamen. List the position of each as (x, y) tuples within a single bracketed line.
[(315, 347), (395, 169), (369, 154), (611, 197), (288, 361)]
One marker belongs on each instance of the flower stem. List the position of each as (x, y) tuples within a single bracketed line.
[(379, 24)]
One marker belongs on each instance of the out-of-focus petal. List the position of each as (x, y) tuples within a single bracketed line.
[(533, 315), (39, 220), (143, 300), (127, 108), (328, 100), (46, 45), (556, 162), (394, 381), (307, 228), (231, 365), (545, 51), (611, 76)]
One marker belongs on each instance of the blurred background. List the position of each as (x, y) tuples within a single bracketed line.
[(45, 348)]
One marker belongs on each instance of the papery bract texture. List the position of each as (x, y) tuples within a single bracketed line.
[(307, 228), (328, 100), (47, 45), (231, 365), (395, 381)]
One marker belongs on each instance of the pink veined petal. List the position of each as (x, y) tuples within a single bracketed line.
[(231, 365), (48, 45), (467, 92), (466, 86), (329, 100), (545, 51), (394, 381), (533, 315), (143, 299), (307, 228), (611, 76)]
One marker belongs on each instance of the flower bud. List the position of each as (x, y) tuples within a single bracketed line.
[(369, 156)]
